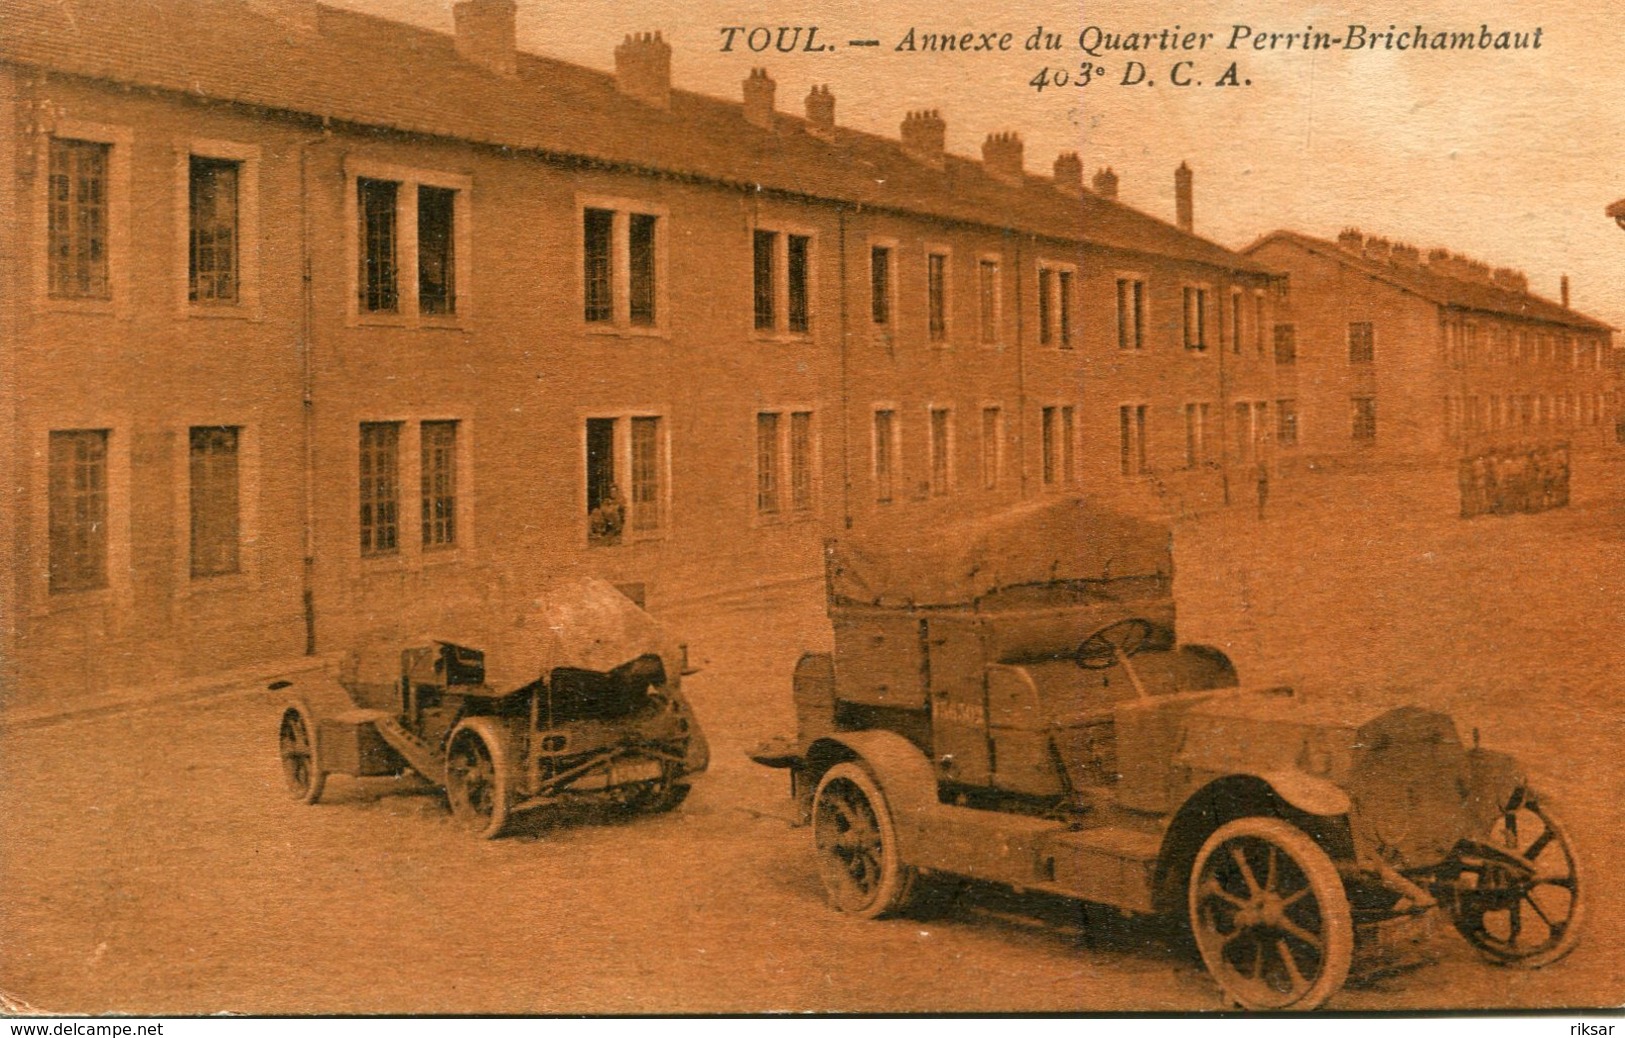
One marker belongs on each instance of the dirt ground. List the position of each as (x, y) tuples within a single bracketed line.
[(150, 863)]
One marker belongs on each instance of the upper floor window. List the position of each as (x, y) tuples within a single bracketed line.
[(880, 284), (987, 281), (78, 221), (936, 296), (781, 282), (1286, 344), (214, 272), (1055, 307), (1130, 313), (375, 201), (1286, 423), (77, 505), (410, 243), (621, 266), (1195, 318), (1362, 342)]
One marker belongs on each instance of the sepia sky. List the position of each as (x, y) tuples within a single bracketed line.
[(1509, 157)]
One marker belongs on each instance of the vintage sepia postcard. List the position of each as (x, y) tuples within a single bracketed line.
[(536, 507)]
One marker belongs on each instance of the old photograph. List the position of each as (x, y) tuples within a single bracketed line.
[(538, 507)]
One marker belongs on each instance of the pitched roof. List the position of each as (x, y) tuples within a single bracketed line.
[(1439, 287), (368, 71)]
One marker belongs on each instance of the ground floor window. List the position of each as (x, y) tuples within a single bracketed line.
[(215, 500), (1058, 433), (1131, 439), (625, 478), (78, 509), (784, 463)]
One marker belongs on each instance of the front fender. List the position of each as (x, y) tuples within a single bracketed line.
[(899, 768), (1315, 796)]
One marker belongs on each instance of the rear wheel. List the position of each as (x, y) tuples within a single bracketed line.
[(1270, 916), (1526, 912), (857, 845), (477, 778), (296, 743)]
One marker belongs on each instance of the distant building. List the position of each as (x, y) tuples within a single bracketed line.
[(318, 327), (1392, 356)]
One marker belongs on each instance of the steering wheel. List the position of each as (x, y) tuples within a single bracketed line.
[(1109, 645)]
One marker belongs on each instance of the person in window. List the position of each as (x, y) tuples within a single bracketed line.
[(606, 522)]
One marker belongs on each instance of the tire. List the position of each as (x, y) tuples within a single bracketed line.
[(656, 797), (1270, 916), (296, 744), (856, 842), (479, 784), (1524, 922)]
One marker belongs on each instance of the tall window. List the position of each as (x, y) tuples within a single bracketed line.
[(1059, 431), (626, 464), (439, 484), (597, 226), (796, 247), (1258, 322), (1055, 307), (437, 267), (987, 274), (936, 296), (885, 455), (1131, 439), (1365, 419), (212, 238), (1286, 344), (375, 201), (1196, 438), (78, 509), (942, 466), (380, 488), (1130, 314), (1361, 342), (767, 463), (992, 447), (640, 262), (1195, 318), (880, 284), (1236, 311), (1046, 306), (1286, 423), (765, 245), (77, 230), (215, 500), (784, 463)]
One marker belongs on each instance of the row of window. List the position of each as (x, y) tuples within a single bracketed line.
[(1252, 429), (1204, 321), (1058, 444), (1490, 413), (1470, 344)]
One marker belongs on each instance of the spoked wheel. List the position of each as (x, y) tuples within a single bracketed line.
[(857, 845), (477, 785), (296, 742), (657, 797), (1524, 911), (1270, 916)]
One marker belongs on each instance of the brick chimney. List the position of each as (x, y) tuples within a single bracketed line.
[(925, 137), (1001, 157), (485, 34), (1069, 174), (295, 14), (643, 69), (759, 91), (821, 111), (1564, 287), (1105, 183), (1183, 203), (1351, 239), (1406, 255)]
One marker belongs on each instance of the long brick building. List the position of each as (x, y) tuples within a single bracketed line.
[(303, 347)]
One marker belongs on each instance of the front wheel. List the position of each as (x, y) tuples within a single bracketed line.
[(296, 744), (1524, 912), (1270, 916), (857, 845), (478, 786)]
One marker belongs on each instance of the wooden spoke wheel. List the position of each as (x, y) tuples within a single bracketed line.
[(857, 845), (1270, 916), (1525, 912), (296, 743), (478, 784)]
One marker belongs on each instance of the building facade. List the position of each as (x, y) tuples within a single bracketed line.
[(1397, 358), (306, 349)]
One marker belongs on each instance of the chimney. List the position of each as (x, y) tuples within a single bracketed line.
[(1069, 174), (1564, 288), (821, 112), (1406, 255), (925, 137), (1378, 250), (759, 90), (643, 69), (295, 14), (1001, 157), (485, 34), (1105, 183), (1183, 205), (1351, 240), (1511, 279)]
